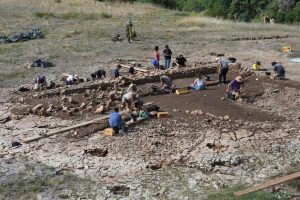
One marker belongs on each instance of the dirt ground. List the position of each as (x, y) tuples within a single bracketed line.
[(205, 144)]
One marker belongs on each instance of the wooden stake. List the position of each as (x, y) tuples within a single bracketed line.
[(269, 184)]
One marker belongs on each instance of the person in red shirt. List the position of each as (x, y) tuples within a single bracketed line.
[(155, 58)]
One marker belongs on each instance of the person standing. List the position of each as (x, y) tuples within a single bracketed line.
[(155, 58), (115, 120), (223, 68), (168, 55), (129, 32), (279, 70)]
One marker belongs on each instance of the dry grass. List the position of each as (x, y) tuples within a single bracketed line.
[(78, 33), (193, 23)]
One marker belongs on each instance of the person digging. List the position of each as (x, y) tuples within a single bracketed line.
[(129, 99), (235, 88), (115, 121), (40, 82), (224, 65), (279, 70), (99, 74)]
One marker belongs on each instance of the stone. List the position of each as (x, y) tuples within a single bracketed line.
[(226, 118), (37, 107), (82, 105), (50, 108), (99, 110), (187, 111)]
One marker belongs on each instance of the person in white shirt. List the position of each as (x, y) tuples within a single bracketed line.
[(198, 83), (71, 79), (129, 98)]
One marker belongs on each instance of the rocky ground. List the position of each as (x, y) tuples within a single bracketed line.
[(205, 144)]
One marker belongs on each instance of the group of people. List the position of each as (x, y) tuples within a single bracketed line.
[(180, 60)]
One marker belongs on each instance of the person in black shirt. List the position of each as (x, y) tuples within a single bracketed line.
[(180, 61), (99, 74), (167, 54)]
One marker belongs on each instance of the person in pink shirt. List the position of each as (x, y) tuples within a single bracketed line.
[(155, 58)]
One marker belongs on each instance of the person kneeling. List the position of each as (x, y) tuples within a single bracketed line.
[(40, 82), (235, 88), (115, 121), (198, 83)]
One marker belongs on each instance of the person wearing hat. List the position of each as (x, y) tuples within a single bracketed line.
[(256, 66), (279, 70), (71, 79), (235, 87), (224, 65)]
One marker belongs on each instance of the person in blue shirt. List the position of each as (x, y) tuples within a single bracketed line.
[(116, 71), (115, 120)]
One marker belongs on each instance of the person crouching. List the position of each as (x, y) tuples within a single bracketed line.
[(115, 120), (235, 87)]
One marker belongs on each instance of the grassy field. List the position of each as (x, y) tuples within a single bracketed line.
[(78, 35)]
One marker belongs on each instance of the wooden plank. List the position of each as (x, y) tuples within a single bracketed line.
[(182, 91), (269, 183), (35, 138), (38, 137), (162, 114), (136, 68)]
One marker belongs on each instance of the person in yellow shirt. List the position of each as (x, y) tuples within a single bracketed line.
[(256, 66)]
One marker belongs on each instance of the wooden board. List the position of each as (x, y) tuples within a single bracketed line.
[(136, 68), (270, 183), (62, 130), (162, 114)]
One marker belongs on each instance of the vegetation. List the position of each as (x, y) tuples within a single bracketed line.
[(284, 11), (227, 194), (39, 178)]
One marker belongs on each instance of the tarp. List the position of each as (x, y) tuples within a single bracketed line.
[(30, 35)]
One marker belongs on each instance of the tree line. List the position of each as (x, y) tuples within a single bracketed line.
[(282, 11)]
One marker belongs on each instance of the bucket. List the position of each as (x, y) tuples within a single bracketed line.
[(154, 89), (207, 78)]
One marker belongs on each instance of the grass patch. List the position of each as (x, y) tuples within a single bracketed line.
[(227, 194), (14, 75), (45, 15), (37, 178), (71, 34), (105, 15)]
